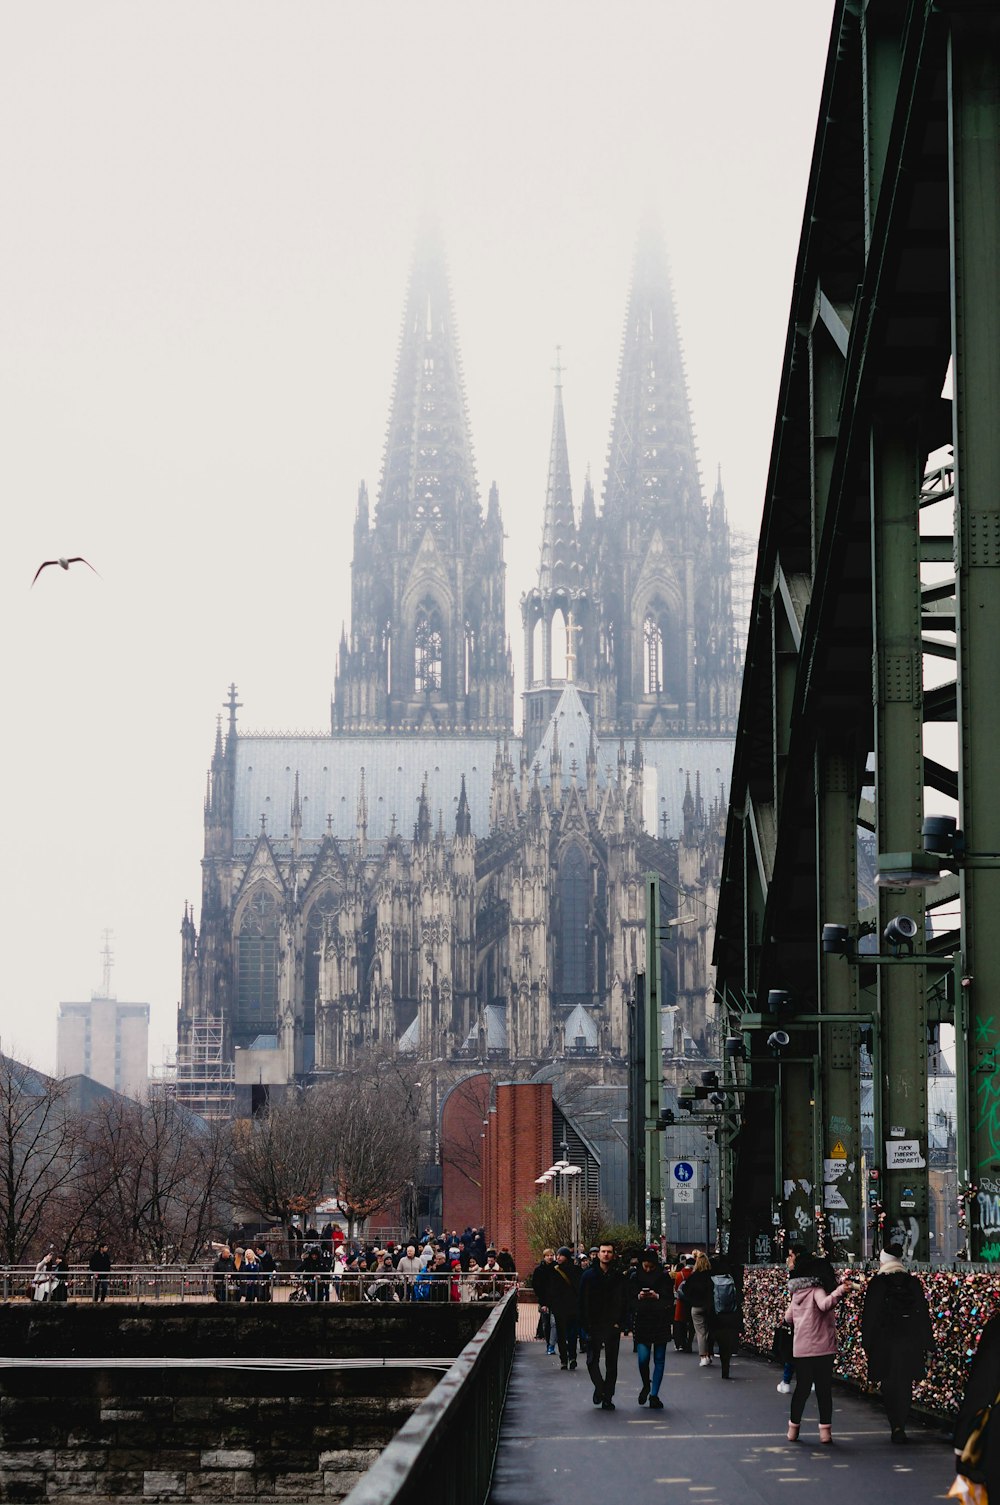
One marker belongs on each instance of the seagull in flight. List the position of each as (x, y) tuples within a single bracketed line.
[(64, 564)]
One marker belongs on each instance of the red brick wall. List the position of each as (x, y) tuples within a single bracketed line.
[(517, 1148), (465, 1107)]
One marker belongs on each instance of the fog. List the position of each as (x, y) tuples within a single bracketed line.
[(208, 217)]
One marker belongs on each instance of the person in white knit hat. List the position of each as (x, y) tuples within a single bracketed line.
[(896, 1335)]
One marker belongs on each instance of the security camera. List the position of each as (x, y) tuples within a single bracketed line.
[(777, 1041), (835, 940), (900, 932), (940, 834)]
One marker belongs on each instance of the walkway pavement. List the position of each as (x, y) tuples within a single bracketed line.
[(715, 1442)]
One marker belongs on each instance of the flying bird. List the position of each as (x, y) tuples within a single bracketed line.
[(64, 564)]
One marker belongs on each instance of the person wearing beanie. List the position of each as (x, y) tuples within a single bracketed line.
[(812, 1313), (651, 1297), (896, 1335), (564, 1303), (541, 1281)]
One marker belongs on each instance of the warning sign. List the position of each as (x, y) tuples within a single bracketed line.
[(838, 1152)]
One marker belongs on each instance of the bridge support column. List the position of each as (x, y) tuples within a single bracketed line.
[(896, 471), (838, 1106), (974, 103)]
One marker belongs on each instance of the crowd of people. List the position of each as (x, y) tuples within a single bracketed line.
[(434, 1267), (588, 1300)]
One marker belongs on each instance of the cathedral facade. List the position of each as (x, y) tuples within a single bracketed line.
[(423, 877)]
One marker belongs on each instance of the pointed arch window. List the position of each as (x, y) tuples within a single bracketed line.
[(428, 648), (574, 896), (323, 910), (652, 643), (257, 963)]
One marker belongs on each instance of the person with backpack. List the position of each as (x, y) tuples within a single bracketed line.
[(896, 1335), (725, 1313)]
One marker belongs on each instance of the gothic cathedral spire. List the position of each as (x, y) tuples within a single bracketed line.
[(556, 615), (657, 553), (427, 650)]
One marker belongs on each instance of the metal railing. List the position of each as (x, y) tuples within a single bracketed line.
[(446, 1450), (153, 1283)]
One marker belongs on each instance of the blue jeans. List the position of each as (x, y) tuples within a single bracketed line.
[(659, 1352)]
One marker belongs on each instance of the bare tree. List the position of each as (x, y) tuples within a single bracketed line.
[(160, 1178), (39, 1153), (375, 1126), (282, 1158)]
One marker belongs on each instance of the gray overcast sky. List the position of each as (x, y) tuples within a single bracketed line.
[(208, 213)]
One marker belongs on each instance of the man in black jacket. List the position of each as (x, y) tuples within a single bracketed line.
[(541, 1277), (604, 1316), (564, 1302), (896, 1334)]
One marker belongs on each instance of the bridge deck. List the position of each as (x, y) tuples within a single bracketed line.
[(714, 1441)]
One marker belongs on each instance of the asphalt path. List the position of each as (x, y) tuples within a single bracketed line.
[(716, 1442)]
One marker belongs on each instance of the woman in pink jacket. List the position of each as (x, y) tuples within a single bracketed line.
[(812, 1311)]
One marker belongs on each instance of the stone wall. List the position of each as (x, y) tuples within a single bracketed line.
[(110, 1423)]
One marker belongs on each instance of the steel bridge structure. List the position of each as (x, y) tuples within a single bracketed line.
[(871, 699)]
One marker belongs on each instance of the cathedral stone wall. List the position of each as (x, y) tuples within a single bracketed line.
[(420, 877)]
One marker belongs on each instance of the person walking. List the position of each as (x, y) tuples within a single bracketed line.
[(100, 1267), (604, 1315), (683, 1329), (896, 1335), (541, 1279), (977, 1427), (812, 1313), (725, 1315), (783, 1343), (652, 1313), (698, 1296), (564, 1303)]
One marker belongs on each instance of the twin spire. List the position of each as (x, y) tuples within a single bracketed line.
[(652, 453), (428, 474)]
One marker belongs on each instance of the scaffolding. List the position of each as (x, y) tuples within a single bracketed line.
[(205, 1081), (743, 560)]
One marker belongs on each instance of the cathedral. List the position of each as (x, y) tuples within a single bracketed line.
[(423, 875)]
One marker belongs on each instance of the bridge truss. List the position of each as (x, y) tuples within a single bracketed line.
[(872, 689)]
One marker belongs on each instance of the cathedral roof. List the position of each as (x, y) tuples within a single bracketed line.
[(581, 1026), (569, 733), (495, 1018), (668, 763), (329, 773)]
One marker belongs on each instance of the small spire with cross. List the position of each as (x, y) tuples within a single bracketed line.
[(558, 368), (233, 705)]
